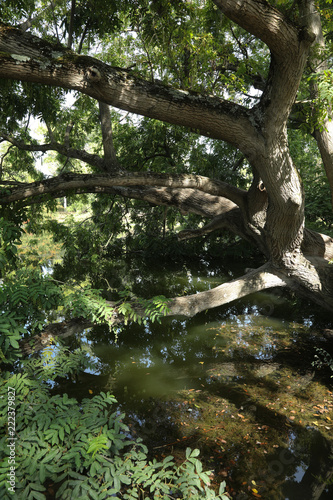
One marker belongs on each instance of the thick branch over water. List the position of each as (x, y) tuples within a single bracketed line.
[(190, 305), (68, 182), (254, 281)]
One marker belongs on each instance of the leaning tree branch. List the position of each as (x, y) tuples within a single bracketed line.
[(28, 58), (70, 182), (289, 45), (259, 279), (263, 278), (267, 23), (214, 188), (229, 219), (63, 149), (254, 281), (186, 200)]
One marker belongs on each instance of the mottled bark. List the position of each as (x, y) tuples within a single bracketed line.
[(27, 58), (110, 157), (76, 181)]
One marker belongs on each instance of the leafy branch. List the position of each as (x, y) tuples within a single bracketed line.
[(142, 310), (84, 449)]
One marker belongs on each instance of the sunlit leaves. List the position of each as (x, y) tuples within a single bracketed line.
[(325, 86), (15, 11), (324, 82), (141, 310), (99, 443), (183, 44), (57, 361), (87, 303), (30, 296), (11, 331)]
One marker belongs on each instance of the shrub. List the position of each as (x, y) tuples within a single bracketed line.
[(84, 450)]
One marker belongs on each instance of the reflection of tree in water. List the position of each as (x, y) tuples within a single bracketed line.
[(152, 422), (310, 483), (218, 354)]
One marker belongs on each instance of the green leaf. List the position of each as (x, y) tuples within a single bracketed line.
[(37, 487), (14, 343), (42, 473), (116, 483), (222, 487), (37, 495)]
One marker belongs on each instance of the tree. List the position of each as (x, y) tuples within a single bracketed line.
[(238, 71)]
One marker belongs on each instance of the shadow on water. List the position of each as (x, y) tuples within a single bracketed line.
[(237, 382)]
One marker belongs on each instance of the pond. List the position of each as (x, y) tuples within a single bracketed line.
[(237, 382)]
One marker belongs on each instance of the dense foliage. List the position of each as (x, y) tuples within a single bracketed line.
[(68, 448), (81, 450)]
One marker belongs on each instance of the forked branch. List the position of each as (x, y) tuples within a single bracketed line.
[(228, 219)]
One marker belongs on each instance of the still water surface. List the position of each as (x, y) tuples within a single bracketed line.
[(237, 382)]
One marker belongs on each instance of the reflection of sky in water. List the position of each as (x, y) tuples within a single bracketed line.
[(300, 471), (176, 342), (47, 270), (154, 361)]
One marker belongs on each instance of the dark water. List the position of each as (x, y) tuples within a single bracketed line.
[(237, 382)]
